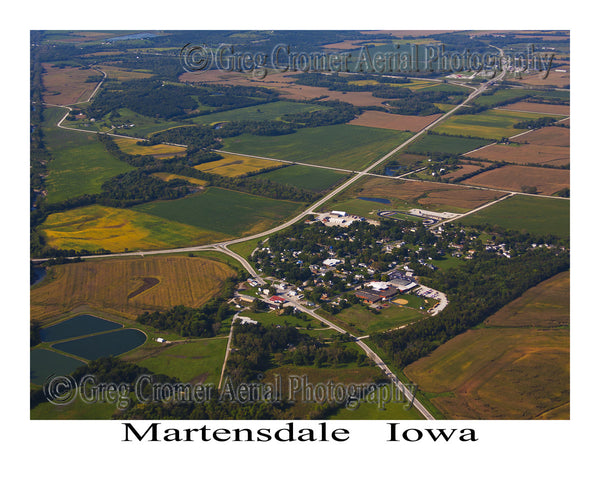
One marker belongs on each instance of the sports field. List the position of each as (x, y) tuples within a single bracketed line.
[(107, 285), (96, 227), (492, 124), (517, 367), (343, 146), (311, 178), (535, 215), (229, 212), (235, 165)]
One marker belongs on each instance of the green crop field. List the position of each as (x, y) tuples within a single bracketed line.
[(502, 95), (535, 215), (344, 146), (492, 124), (267, 111), (315, 179), (198, 361), (80, 164), (225, 211), (446, 144)]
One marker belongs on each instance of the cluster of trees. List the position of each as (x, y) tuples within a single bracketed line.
[(193, 322), (476, 290), (319, 355), (536, 123), (155, 98), (253, 347)]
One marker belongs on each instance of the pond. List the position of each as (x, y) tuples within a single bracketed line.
[(45, 363), (103, 344), (375, 199), (76, 327)]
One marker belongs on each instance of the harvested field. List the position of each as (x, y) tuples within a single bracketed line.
[(513, 177), (67, 85), (463, 169), (558, 79), (345, 45), (114, 285), (412, 123), (555, 136), (538, 108), (426, 194), (497, 373), (545, 305), (525, 154), (236, 165), (516, 368)]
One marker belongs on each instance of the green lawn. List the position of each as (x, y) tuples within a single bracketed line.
[(535, 215), (362, 320), (268, 318), (226, 211), (343, 146), (194, 362), (429, 144), (315, 179), (80, 164)]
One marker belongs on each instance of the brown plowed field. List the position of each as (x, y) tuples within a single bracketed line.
[(554, 136), (525, 153), (412, 123), (65, 86), (538, 108), (513, 177), (463, 170), (427, 193)]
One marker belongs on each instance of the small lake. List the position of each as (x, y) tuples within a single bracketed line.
[(375, 199), (76, 327), (45, 363), (104, 344), (37, 275)]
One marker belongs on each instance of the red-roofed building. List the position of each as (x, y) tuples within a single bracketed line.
[(277, 299)]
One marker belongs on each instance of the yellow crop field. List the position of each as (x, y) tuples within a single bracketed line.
[(96, 227), (363, 82), (235, 165), (128, 286), (171, 176), (130, 146)]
